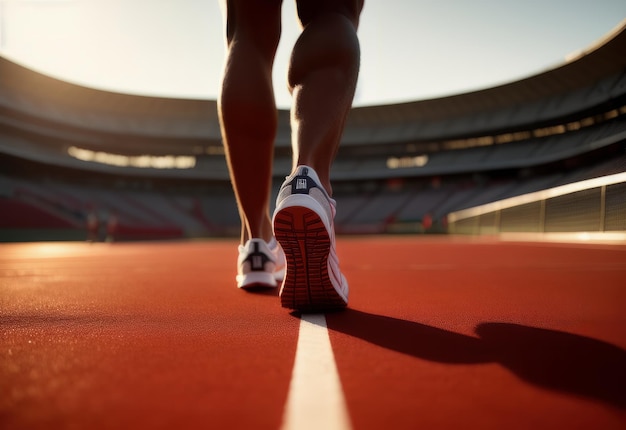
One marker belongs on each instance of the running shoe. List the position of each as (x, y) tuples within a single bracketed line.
[(257, 264), (303, 225), (279, 256)]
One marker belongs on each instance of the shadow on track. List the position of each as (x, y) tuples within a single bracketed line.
[(263, 291), (550, 359)]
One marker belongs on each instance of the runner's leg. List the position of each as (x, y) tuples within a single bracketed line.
[(322, 78), (247, 108)]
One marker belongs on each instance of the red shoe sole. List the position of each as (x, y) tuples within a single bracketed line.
[(307, 286)]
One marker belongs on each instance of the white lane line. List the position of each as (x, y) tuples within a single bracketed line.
[(315, 400)]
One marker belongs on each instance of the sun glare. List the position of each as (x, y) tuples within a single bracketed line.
[(40, 250)]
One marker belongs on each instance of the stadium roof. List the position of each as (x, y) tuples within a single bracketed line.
[(25, 93)]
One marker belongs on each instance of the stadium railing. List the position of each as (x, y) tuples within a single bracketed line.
[(594, 205)]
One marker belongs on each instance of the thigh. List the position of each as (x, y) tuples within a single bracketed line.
[(258, 20)]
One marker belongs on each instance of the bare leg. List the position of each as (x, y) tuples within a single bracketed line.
[(322, 78), (247, 108)]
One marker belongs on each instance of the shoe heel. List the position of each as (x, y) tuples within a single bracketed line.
[(303, 236)]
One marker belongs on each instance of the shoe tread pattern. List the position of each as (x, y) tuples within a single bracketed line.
[(307, 286)]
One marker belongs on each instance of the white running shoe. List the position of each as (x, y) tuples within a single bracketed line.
[(257, 264), (281, 263), (303, 225)]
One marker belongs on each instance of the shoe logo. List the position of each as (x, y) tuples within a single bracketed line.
[(257, 259), (301, 184), (257, 262)]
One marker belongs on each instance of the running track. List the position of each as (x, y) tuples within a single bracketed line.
[(441, 333)]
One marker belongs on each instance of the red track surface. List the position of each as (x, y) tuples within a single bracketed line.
[(440, 333)]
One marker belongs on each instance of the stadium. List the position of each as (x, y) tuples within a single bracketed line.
[(158, 163), (470, 307)]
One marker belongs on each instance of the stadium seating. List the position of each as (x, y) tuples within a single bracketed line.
[(66, 152)]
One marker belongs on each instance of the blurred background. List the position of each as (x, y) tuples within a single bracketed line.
[(474, 118)]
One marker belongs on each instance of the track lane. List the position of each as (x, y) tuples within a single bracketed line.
[(440, 333), (465, 333), (138, 336)]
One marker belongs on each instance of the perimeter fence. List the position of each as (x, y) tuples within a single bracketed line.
[(594, 205)]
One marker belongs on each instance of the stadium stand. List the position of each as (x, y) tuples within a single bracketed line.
[(155, 166)]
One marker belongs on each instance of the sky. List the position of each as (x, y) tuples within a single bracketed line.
[(410, 49)]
